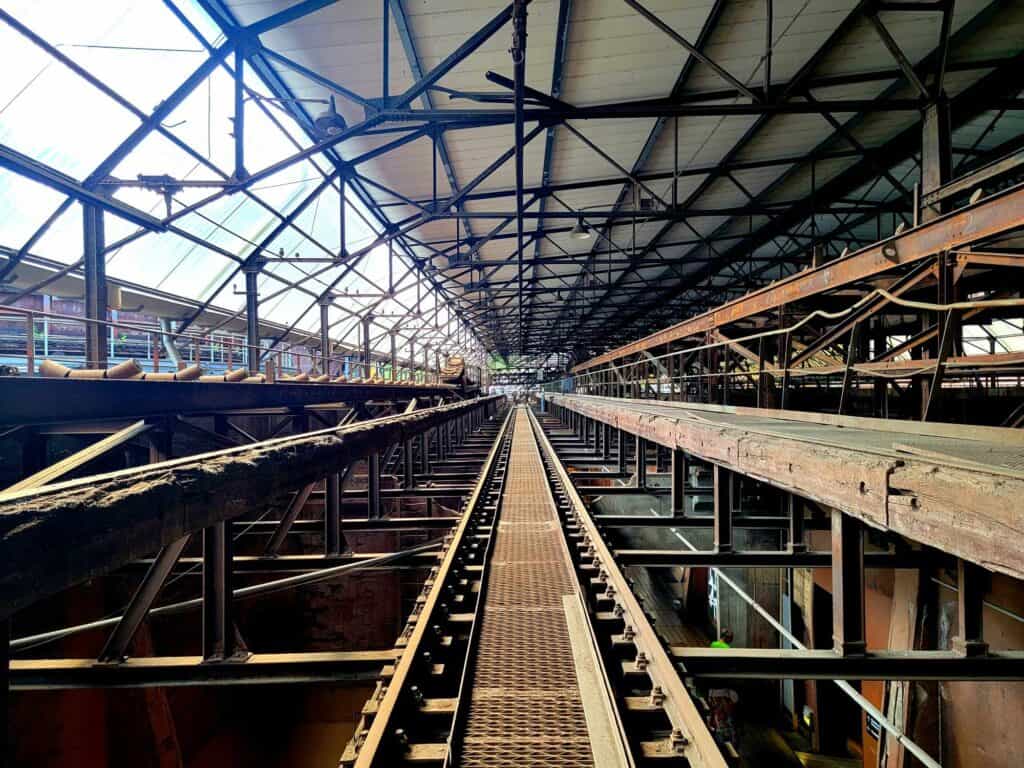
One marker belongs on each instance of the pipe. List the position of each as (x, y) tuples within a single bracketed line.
[(168, 343), (265, 588)]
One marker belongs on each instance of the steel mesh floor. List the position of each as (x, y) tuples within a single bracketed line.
[(525, 707)]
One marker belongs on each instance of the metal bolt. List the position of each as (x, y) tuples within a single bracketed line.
[(657, 696), (641, 661), (629, 633), (401, 738), (678, 740)]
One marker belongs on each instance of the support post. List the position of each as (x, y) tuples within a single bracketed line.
[(218, 620), (239, 126), (795, 512), (325, 332), (621, 451), (373, 485), (606, 440), (252, 268), (367, 323), (678, 483), (332, 514), (95, 269), (408, 471), (972, 581), (394, 357), (848, 624), (723, 509), (640, 462), (851, 352)]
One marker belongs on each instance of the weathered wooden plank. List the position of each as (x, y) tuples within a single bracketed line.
[(973, 514), (53, 537)]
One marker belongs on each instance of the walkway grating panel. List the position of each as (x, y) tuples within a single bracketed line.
[(525, 707)]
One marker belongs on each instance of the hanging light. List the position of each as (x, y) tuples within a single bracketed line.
[(329, 122), (581, 231)]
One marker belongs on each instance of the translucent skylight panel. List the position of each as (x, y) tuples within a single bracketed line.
[(24, 206), (157, 155), (204, 120), (58, 118), (63, 239), (137, 47)]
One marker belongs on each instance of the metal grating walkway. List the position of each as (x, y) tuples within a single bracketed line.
[(525, 708)]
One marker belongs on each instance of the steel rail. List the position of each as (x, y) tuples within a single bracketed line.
[(694, 741), (371, 746)]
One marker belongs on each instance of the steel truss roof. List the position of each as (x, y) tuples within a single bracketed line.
[(708, 147)]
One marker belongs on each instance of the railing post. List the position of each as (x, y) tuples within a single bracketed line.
[(30, 344)]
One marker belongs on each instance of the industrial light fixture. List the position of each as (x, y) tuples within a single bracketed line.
[(581, 231), (329, 122)]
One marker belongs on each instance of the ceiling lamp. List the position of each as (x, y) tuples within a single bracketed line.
[(581, 231), (329, 122)]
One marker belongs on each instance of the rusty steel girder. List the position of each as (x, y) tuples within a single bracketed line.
[(992, 216)]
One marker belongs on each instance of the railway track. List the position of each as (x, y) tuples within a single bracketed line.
[(527, 646)]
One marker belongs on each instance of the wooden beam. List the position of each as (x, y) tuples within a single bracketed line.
[(62, 534)]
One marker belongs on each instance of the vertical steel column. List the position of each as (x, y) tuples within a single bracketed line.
[(95, 268), (385, 76), (606, 441), (936, 163), (785, 355), (239, 123), (421, 439), (367, 322), (795, 512), (394, 356), (640, 461), (412, 361), (342, 228), (408, 471), (936, 153), (723, 509), (972, 581), (218, 620), (426, 363), (518, 52), (848, 628), (332, 514), (678, 483), (325, 332), (373, 485), (252, 268), (334, 485), (621, 451)]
